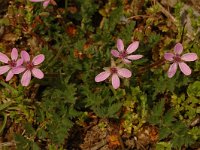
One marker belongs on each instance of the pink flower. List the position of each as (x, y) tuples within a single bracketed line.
[(179, 60), (115, 72), (10, 63), (45, 2), (124, 54), (30, 68)]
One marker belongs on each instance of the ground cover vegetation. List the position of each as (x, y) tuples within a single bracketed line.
[(99, 74)]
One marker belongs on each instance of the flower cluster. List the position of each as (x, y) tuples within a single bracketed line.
[(125, 56), (29, 67), (115, 71), (23, 65)]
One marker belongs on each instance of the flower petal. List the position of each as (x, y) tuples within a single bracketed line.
[(38, 59), (134, 57), (36, 0), (46, 3), (4, 69), (189, 57), (19, 62), (169, 56), (4, 58), (9, 75), (25, 56), (102, 76), (26, 78), (18, 70), (172, 70), (185, 68), (14, 54), (132, 47), (115, 53), (178, 48), (120, 45), (126, 61), (115, 81), (123, 72), (37, 73)]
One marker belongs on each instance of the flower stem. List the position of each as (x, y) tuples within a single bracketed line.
[(155, 64), (9, 87)]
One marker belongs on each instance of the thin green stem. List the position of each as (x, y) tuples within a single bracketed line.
[(9, 87), (3, 123)]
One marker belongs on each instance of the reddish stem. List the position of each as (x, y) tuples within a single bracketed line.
[(155, 64)]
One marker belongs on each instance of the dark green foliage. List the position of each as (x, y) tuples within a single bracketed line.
[(170, 127), (194, 89), (23, 143), (126, 31), (108, 111), (114, 19), (102, 103), (57, 110), (157, 113), (77, 37), (154, 39)]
